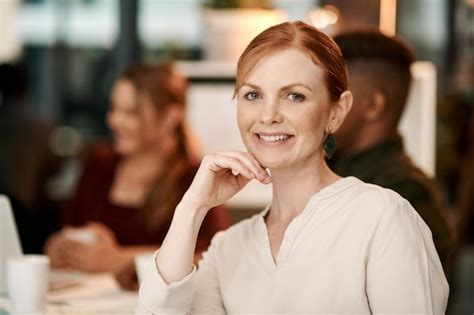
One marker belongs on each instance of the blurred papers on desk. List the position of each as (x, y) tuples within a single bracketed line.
[(94, 294)]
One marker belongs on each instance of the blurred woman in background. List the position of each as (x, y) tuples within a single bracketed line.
[(128, 191)]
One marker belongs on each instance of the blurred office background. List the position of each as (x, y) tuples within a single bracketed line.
[(67, 52)]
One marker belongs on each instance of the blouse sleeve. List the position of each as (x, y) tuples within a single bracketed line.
[(197, 293), (404, 273)]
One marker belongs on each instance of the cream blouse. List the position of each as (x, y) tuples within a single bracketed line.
[(356, 248)]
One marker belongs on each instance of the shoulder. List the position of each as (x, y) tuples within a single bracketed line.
[(388, 220), (384, 205), (371, 195), (396, 217), (98, 163), (101, 155)]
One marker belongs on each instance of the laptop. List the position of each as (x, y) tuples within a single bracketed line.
[(10, 245)]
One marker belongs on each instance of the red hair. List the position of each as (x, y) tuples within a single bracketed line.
[(322, 50), (165, 88)]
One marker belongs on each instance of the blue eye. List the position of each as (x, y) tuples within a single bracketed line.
[(296, 97), (252, 96)]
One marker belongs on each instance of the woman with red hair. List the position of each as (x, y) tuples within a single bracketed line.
[(325, 244)]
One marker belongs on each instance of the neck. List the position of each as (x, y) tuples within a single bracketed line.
[(154, 155), (143, 167), (304, 181)]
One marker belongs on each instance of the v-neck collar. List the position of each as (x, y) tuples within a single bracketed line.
[(294, 227)]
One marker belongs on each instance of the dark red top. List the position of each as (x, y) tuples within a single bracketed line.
[(91, 204)]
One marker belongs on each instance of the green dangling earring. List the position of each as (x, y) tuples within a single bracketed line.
[(329, 144)]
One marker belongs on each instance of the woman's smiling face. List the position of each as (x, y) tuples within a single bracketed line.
[(133, 120), (283, 110)]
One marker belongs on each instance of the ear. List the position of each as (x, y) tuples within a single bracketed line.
[(339, 111), (376, 106)]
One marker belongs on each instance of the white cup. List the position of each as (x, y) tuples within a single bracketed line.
[(142, 263), (27, 283)]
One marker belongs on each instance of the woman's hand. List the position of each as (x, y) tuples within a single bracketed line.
[(221, 175), (101, 255), (53, 248)]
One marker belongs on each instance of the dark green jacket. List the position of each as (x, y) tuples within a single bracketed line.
[(387, 165)]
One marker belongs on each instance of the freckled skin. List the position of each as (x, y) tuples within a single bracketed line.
[(285, 94)]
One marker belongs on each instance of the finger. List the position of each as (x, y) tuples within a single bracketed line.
[(81, 265), (75, 261), (255, 168), (101, 231), (56, 259), (82, 260), (53, 252), (249, 160), (67, 229), (52, 244), (57, 263), (218, 162), (242, 181), (72, 262), (98, 228), (72, 248), (267, 177)]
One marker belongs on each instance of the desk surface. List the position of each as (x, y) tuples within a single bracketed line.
[(94, 294)]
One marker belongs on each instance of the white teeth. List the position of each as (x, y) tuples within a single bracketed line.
[(274, 138)]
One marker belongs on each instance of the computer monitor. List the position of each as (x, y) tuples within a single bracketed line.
[(9, 241)]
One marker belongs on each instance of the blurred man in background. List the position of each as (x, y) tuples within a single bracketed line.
[(369, 145)]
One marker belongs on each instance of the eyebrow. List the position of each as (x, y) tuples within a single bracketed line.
[(286, 87)]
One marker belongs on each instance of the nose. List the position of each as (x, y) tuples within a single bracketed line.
[(270, 113)]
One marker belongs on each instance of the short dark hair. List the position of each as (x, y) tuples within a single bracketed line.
[(373, 44), (387, 59)]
